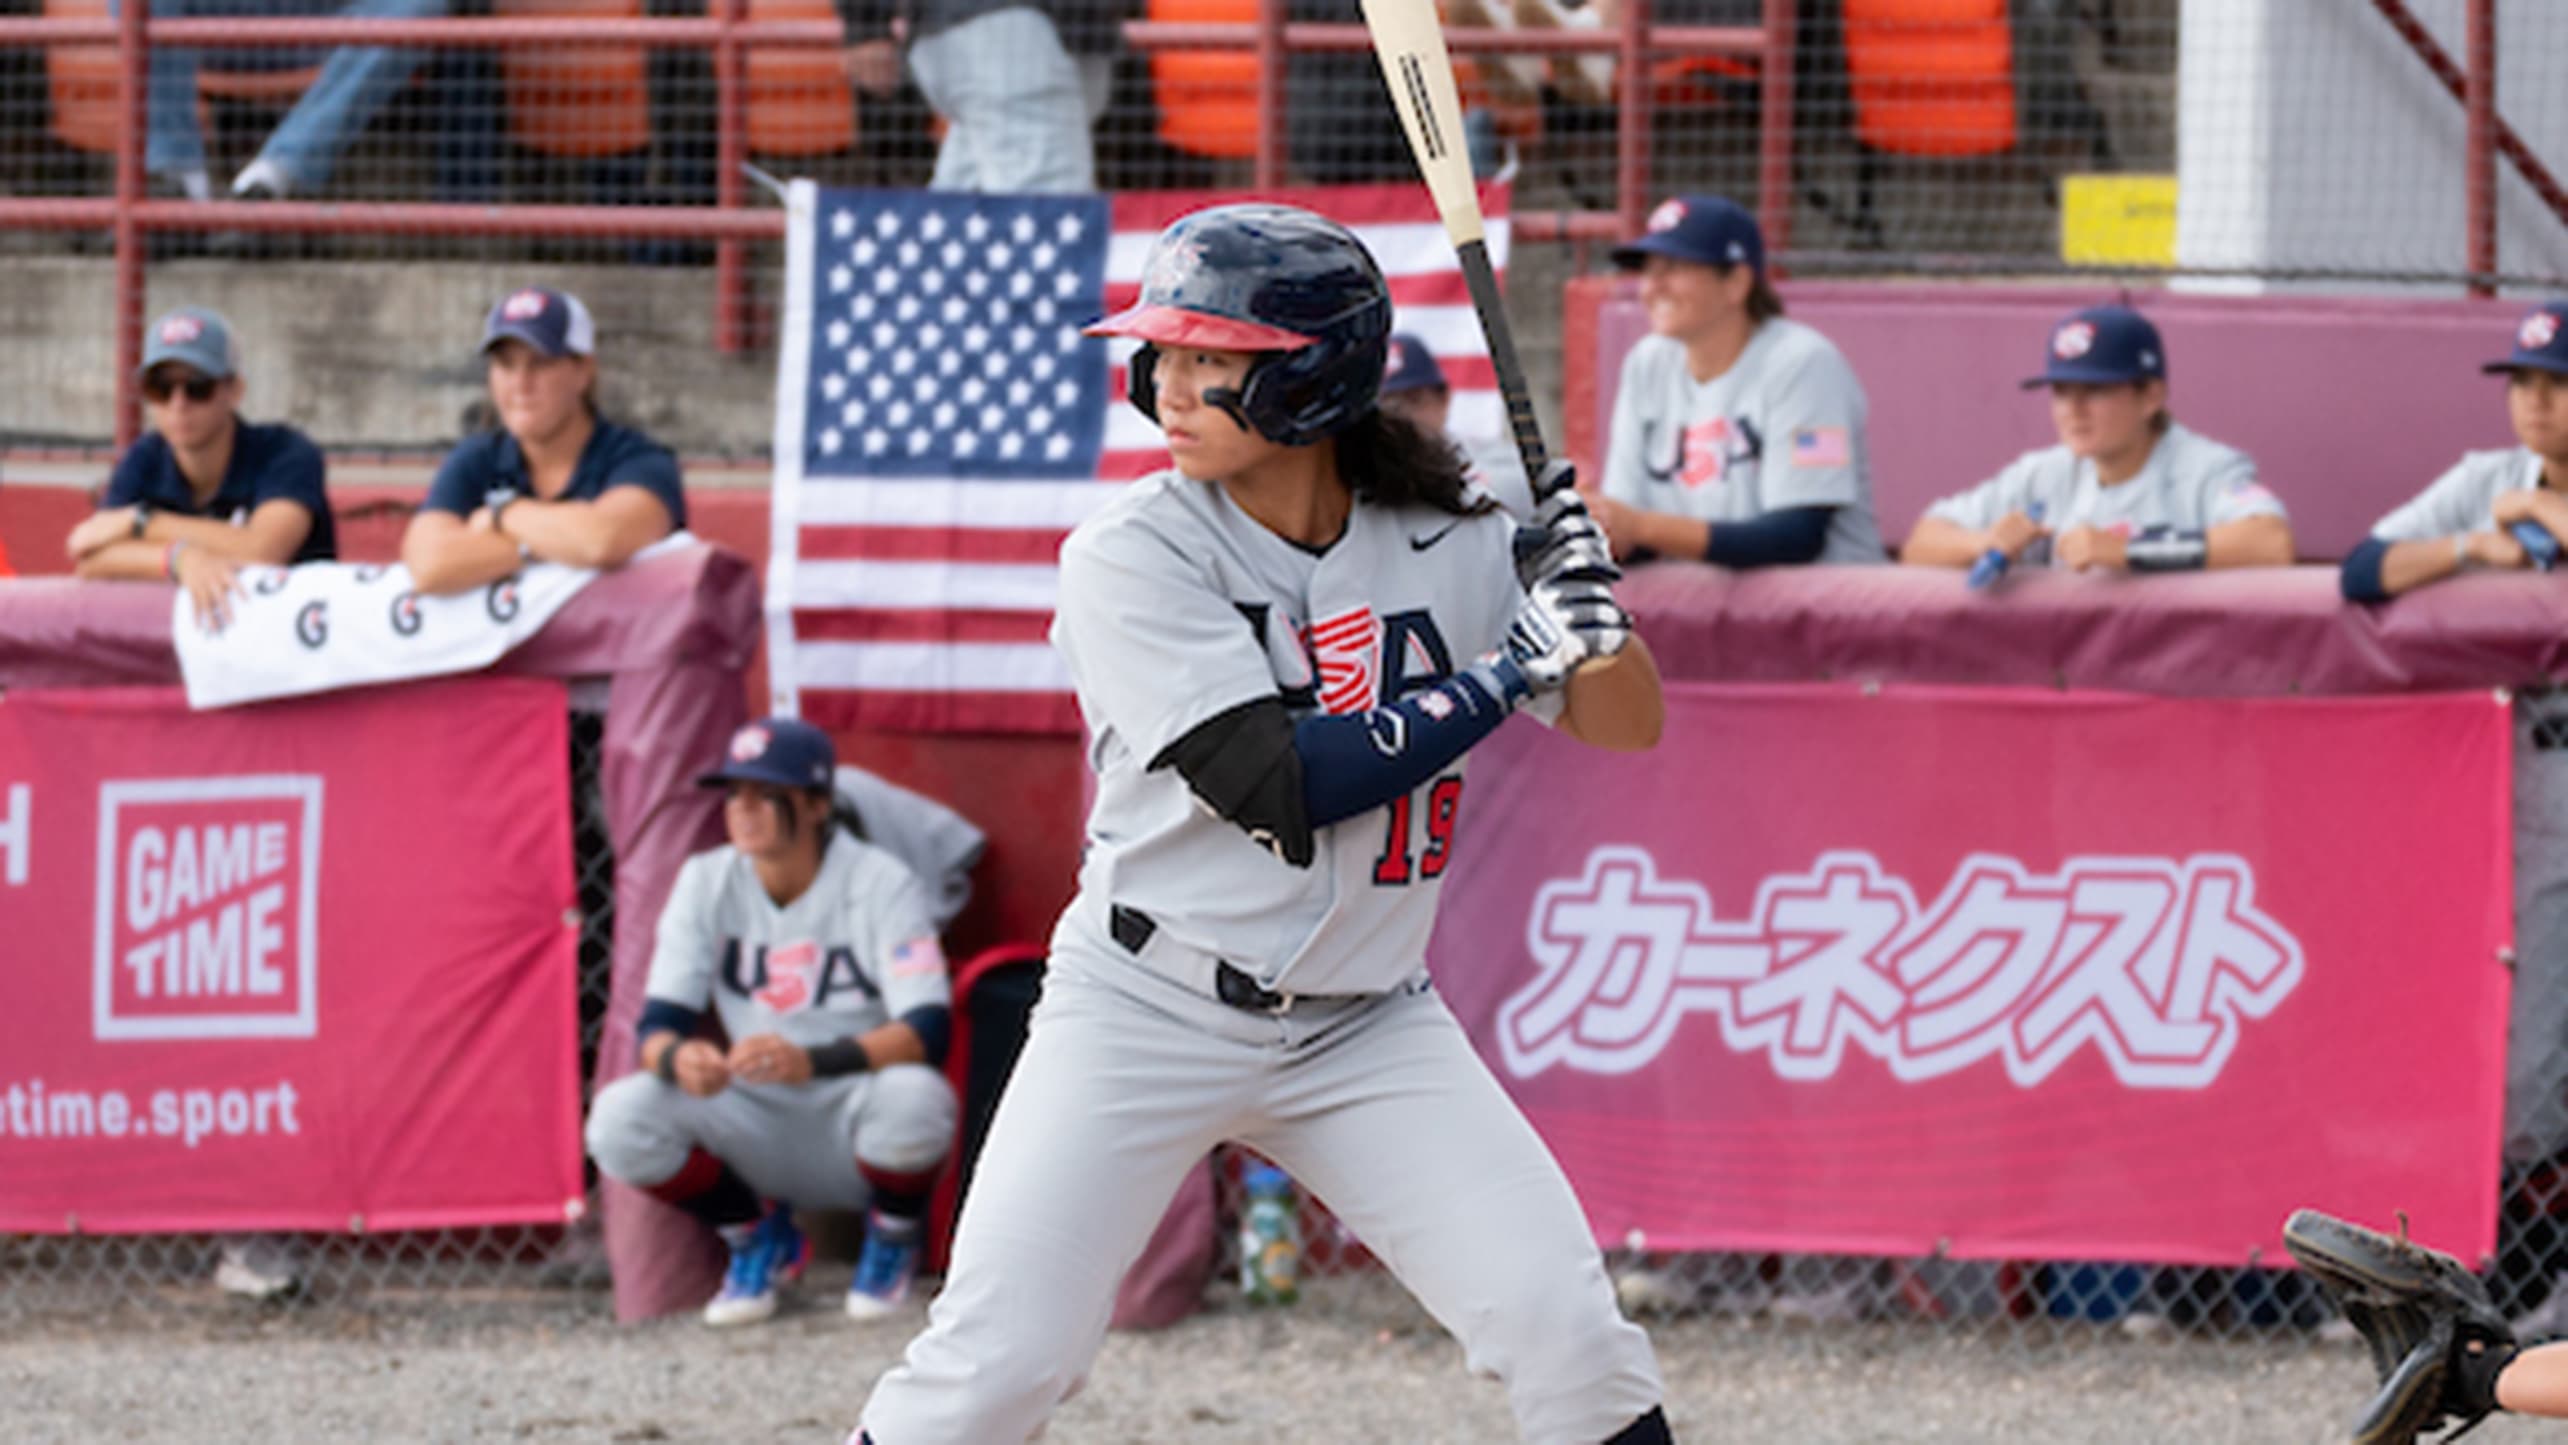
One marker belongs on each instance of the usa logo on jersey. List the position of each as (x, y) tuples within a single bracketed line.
[(793, 970), (1707, 452), (1347, 651)]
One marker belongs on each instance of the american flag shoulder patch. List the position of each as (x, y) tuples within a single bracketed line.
[(1821, 446)]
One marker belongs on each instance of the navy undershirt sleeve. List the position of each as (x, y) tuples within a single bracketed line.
[(659, 1016), (125, 486), (1353, 762), (934, 1023), (2360, 578), (463, 480), (1777, 538)]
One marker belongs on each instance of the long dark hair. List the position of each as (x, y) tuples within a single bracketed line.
[(1392, 461)]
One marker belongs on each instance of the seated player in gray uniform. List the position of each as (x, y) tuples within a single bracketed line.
[(817, 952), (204, 492), (1282, 648), (2480, 513), (2127, 488), (1738, 436)]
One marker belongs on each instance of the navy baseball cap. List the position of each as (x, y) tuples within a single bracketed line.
[(1409, 366), (2541, 342), (2103, 345), (193, 336), (787, 752), (553, 322), (1707, 230)]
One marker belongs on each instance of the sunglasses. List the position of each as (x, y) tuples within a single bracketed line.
[(199, 389)]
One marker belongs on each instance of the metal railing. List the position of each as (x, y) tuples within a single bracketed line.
[(733, 220)]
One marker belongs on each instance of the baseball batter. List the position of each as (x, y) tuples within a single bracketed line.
[(2127, 488), (817, 952), (1282, 649), (2467, 518), (1738, 435)]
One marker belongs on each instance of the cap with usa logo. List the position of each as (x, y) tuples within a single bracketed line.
[(2540, 342), (784, 751), (1707, 230), (193, 336), (2102, 346), (1409, 366), (553, 322)]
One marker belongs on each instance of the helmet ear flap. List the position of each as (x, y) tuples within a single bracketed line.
[(1141, 381)]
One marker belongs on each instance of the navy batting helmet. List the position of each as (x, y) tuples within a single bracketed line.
[(1296, 287)]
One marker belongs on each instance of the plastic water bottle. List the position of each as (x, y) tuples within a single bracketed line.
[(1270, 1239), (2537, 541), (1992, 564)]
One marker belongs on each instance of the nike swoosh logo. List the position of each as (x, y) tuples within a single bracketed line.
[(1420, 544)]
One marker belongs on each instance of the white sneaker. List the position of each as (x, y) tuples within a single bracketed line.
[(262, 175), (885, 1270), (258, 1269)]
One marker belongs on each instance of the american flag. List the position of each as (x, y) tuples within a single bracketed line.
[(941, 425)]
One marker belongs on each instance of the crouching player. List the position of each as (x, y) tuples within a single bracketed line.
[(818, 953)]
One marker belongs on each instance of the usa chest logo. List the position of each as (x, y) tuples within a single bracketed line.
[(793, 975), (1707, 452), (1346, 654)]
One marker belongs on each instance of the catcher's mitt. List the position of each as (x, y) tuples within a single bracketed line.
[(2437, 1340)]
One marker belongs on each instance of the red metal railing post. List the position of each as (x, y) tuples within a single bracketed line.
[(133, 69), (1269, 171), (1774, 128), (730, 152), (2479, 162), (1632, 119)]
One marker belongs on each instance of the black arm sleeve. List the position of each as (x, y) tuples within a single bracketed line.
[(2360, 578), (659, 1016), (1242, 765), (1778, 538)]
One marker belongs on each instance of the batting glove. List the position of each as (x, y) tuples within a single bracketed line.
[(1587, 607), (1563, 540)]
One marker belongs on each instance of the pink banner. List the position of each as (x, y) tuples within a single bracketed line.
[(309, 965), (2006, 973)]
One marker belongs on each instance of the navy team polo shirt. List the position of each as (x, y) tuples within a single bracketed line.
[(269, 463), (616, 456)]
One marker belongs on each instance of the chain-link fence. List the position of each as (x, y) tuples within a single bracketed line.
[(96, 1276), (2310, 142)]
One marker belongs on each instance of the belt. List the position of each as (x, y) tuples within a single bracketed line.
[(1133, 929)]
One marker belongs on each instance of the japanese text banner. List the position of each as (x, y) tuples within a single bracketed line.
[(2007, 973), (309, 965)]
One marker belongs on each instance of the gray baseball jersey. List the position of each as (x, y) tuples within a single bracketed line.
[(855, 951), (2190, 483), (1175, 606), (2463, 499), (1783, 427)]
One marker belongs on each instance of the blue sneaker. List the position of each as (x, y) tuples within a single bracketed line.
[(769, 1258), (885, 1269)]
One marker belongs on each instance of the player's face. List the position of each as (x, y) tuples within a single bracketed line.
[(1686, 299), (537, 395), (764, 821), (188, 407), (1203, 440), (1428, 406), (2105, 420), (2537, 402)]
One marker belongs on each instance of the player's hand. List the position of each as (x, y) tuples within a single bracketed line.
[(770, 1059), (701, 1068), (2497, 549), (1622, 523), (2014, 532), (874, 67), (211, 582), (2098, 547), (98, 529), (1563, 540), (2538, 505), (1588, 607)]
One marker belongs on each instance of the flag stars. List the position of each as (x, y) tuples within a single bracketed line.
[(852, 414), (898, 414), (1021, 338), (1065, 394), (948, 362), (944, 414), (877, 441), (1040, 368), (954, 310), (885, 333), (864, 251), (921, 441), (932, 225), (909, 253), (1069, 228), (839, 332), (1022, 228), (976, 282), (908, 308), (833, 386), (965, 444), (904, 361), (923, 388), (993, 418), (878, 387), (1001, 255), (1056, 448), (887, 224), (1021, 285), (975, 336), (1043, 311), (1011, 447), (1065, 285), (1019, 393), (1040, 418), (952, 254), (1044, 255), (831, 441), (861, 305), (973, 390), (887, 280), (841, 277), (931, 336), (842, 223), (976, 227), (858, 358)]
